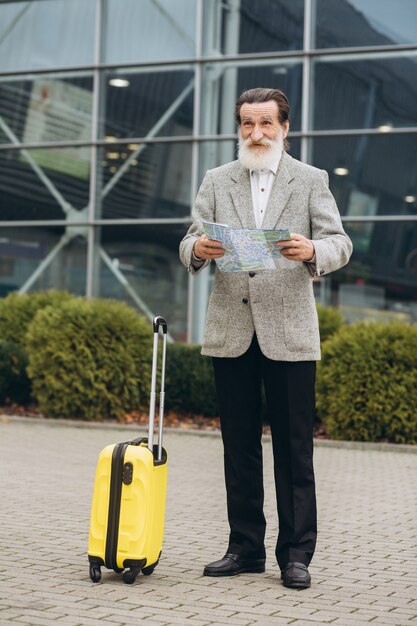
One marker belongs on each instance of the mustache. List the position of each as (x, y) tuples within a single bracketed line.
[(262, 142)]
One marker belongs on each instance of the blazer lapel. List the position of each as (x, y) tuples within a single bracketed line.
[(242, 196), (280, 193)]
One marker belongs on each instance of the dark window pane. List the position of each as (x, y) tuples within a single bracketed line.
[(379, 90), (140, 264), (370, 174), (146, 180), (379, 282), (344, 23), (44, 183), (224, 82), (248, 26), (44, 34), (157, 102), (23, 250), (140, 31), (35, 109)]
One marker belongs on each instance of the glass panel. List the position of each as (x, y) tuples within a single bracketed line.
[(215, 153), (44, 34), (370, 174), (365, 92), (34, 109), (145, 180), (148, 30), (233, 27), (224, 82), (23, 264), (379, 282), (147, 258), (365, 23), (44, 184), (154, 102)]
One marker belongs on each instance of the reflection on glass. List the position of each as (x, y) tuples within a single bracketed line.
[(263, 26), (365, 23), (365, 92), (148, 30), (46, 108), (370, 174), (37, 35), (23, 250), (224, 82), (44, 183), (150, 102), (147, 258), (215, 153), (145, 180), (379, 281)]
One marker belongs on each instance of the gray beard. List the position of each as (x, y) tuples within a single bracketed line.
[(260, 161)]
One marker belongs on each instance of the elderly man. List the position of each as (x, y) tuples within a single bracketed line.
[(262, 328)]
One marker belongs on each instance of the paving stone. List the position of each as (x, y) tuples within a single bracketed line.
[(363, 571)]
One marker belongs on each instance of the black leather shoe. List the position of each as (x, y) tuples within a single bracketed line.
[(296, 575), (232, 564)]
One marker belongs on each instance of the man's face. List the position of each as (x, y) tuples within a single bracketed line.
[(259, 121)]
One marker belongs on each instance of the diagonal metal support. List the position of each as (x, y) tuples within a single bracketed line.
[(72, 214), (65, 206), (172, 22), (44, 264), (14, 22), (152, 133), (132, 293)]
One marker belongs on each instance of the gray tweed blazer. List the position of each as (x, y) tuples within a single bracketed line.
[(277, 304)]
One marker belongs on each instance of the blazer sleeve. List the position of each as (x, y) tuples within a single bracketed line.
[(204, 209), (332, 245)]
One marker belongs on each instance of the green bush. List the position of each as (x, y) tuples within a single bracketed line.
[(89, 359), (330, 321), (14, 382), (17, 311), (189, 382), (367, 383)]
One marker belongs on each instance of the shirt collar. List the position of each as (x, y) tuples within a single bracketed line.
[(273, 168)]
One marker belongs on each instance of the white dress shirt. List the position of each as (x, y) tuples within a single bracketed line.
[(261, 182)]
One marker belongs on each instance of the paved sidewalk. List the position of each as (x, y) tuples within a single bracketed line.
[(364, 571)]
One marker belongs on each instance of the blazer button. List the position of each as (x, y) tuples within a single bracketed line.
[(245, 300), (252, 274)]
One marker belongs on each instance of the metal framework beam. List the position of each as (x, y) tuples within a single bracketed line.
[(75, 226)]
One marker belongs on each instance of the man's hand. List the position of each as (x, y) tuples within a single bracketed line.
[(205, 248), (299, 248)]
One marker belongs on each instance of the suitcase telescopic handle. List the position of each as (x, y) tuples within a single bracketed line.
[(157, 323)]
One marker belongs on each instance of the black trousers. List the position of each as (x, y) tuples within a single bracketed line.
[(290, 397)]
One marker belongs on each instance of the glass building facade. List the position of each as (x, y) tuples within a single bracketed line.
[(111, 111)]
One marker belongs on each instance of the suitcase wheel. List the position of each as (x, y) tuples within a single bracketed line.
[(147, 571), (129, 576), (95, 573)]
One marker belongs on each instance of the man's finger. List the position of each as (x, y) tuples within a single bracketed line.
[(212, 243)]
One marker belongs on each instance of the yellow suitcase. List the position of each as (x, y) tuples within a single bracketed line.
[(128, 507)]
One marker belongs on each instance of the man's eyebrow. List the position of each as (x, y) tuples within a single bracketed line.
[(249, 118)]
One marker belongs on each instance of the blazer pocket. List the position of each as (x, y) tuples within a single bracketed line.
[(301, 332), (217, 321)]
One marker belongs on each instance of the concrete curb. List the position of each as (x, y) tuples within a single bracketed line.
[(140, 428)]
